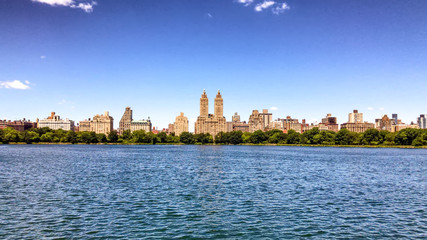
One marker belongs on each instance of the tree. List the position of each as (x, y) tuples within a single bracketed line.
[(163, 137), (101, 138), (47, 137), (186, 138), (113, 136), (29, 136), (371, 137), (278, 137), (258, 137), (71, 137), (138, 136), (221, 138), (307, 137), (127, 135), (235, 137), (293, 137), (246, 137), (10, 135)]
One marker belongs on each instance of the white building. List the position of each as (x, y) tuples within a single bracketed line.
[(141, 125), (55, 122)]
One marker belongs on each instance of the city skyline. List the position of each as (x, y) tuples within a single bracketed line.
[(305, 59), (216, 122)]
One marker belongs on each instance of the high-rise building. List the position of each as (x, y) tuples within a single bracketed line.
[(394, 118), (126, 121), (355, 117), (422, 121), (329, 123), (256, 121), (385, 123), (181, 124), (235, 117), (266, 118), (55, 122), (355, 123), (208, 123), (99, 124)]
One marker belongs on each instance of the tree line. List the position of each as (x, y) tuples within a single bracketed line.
[(405, 137)]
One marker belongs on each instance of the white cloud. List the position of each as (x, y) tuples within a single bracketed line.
[(274, 108), (86, 6), (281, 8), (209, 15), (15, 84), (261, 6), (42, 57), (370, 108), (381, 109), (245, 2)]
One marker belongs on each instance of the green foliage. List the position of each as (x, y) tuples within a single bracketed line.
[(405, 137), (258, 137), (187, 138), (293, 137), (113, 136)]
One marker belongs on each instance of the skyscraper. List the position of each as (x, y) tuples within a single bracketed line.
[(422, 121), (181, 124), (208, 123), (355, 117), (126, 120)]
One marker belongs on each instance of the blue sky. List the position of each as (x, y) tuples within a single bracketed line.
[(302, 58)]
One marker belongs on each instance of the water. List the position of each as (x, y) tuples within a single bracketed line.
[(235, 192)]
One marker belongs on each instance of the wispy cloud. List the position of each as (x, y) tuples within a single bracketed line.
[(276, 7), (209, 15), (42, 57), (85, 6), (280, 8), (245, 2), (264, 5), (274, 108), (370, 108), (15, 84)]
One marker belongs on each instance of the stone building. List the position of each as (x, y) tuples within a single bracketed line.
[(181, 124), (329, 123), (384, 123), (99, 124), (236, 124), (355, 117), (267, 118), (422, 121), (18, 125), (256, 121), (208, 123), (55, 122), (126, 120), (144, 124)]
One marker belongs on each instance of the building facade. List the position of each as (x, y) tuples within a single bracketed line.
[(144, 124), (55, 122), (125, 121), (181, 124), (422, 121), (355, 117), (99, 124), (208, 123), (267, 118), (256, 121), (18, 125)]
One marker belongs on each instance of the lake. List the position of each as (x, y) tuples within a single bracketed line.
[(190, 192)]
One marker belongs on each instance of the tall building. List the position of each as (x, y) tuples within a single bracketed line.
[(355, 117), (236, 124), (355, 123), (126, 120), (422, 121), (394, 118), (235, 117), (329, 123), (55, 122), (385, 123), (267, 118), (99, 124), (181, 124), (208, 123), (256, 121)]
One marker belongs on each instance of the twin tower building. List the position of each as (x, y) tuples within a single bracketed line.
[(208, 123)]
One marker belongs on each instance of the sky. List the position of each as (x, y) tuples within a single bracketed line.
[(296, 57)]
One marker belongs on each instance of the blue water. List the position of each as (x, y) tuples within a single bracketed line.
[(234, 192)]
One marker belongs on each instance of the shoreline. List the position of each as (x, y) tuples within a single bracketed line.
[(213, 144)]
